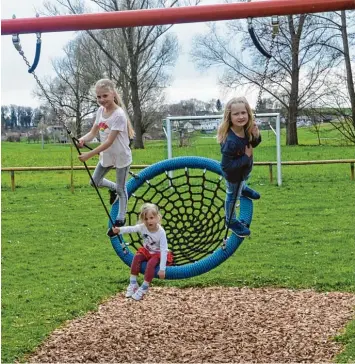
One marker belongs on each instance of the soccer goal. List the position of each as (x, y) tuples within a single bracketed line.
[(182, 126)]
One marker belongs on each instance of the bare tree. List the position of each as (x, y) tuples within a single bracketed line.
[(5, 117), (341, 95), (69, 90), (136, 58), (297, 71)]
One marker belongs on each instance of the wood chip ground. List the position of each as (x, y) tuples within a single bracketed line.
[(205, 325)]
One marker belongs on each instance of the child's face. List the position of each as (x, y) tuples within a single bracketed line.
[(239, 115), (151, 220), (104, 97)]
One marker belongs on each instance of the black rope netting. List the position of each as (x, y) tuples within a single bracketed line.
[(192, 205)]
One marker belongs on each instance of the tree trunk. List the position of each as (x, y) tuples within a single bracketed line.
[(136, 102), (78, 122), (137, 117), (291, 134), (349, 76)]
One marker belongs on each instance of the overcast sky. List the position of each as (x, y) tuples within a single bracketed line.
[(17, 84)]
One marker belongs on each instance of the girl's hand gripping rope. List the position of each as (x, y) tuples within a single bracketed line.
[(83, 157), (80, 143)]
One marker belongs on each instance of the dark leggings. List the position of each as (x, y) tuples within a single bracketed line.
[(150, 268)]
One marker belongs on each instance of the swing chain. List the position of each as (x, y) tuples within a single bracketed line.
[(57, 114)]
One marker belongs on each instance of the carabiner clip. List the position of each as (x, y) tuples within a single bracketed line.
[(275, 25)]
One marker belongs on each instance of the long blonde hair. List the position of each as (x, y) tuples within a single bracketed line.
[(107, 84), (148, 207), (227, 120)]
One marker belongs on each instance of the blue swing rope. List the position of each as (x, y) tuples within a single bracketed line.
[(216, 257)]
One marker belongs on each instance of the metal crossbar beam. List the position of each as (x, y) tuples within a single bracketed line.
[(187, 14)]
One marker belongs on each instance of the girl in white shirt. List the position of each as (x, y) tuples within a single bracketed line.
[(154, 250), (115, 129)]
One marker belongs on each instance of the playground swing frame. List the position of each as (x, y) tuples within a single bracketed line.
[(187, 14)]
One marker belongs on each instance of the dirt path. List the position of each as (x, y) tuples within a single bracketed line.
[(209, 325)]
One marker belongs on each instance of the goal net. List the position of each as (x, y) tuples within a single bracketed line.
[(200, 132)]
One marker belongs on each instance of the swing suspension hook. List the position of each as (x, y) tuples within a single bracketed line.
[(17, 44), (275, 25)]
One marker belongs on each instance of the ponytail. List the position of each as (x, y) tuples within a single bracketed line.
[(119, 102)]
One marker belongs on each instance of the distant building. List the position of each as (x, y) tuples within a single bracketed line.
[(58, 133)]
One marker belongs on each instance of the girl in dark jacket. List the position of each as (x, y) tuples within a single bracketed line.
[(238, 135)]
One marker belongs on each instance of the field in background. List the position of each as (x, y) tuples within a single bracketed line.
[(57, 263)]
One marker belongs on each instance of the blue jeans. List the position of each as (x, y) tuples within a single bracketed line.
[(233, 193)]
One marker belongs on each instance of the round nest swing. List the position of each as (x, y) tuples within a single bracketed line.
[(189, 192)]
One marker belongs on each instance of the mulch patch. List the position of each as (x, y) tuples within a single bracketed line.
[(205, 325)]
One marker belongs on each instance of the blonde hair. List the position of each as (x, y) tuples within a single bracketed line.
[(148, 207), (227, 120), (107, 84)]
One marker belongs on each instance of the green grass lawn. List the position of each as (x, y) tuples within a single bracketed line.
[(57, 263)]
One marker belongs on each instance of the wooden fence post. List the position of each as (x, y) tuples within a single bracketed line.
[(352, 170), (12, 180), (270, 173), (72, 170)]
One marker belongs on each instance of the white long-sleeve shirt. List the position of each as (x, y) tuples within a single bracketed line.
[(155, 242)]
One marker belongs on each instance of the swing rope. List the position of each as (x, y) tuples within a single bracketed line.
[(75, 141)]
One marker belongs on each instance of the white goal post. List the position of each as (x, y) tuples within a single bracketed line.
[(170, 119)]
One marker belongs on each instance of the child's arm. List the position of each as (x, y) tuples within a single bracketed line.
[(255, 132), (89, 136), (127, 229), (110, 139), (163, 255), (233, 157)]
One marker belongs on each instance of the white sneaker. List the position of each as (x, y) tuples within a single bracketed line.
[(138, 295), (131, 289)]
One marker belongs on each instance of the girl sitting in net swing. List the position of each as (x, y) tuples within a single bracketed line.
[(238, 135), (154, 250)]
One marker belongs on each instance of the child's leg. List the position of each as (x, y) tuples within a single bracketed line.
[(135, 268), (98, 177), (121, 176), (136, 264), (148, 277), (248, 192), (149, 271), (232, 195)]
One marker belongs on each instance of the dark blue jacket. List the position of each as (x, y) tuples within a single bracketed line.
[(236, 165)]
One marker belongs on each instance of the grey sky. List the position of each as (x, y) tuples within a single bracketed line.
[(17, 84)]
